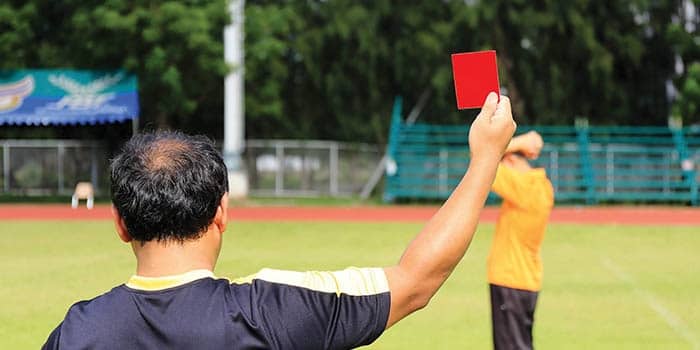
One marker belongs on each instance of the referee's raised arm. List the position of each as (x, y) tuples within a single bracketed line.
[(432, 255)]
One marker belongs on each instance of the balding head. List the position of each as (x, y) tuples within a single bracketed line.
[(164, 154), (167, 185)]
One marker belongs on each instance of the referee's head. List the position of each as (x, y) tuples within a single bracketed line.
[(167, 186)]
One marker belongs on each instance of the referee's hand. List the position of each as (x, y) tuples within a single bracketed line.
[(492, 129)]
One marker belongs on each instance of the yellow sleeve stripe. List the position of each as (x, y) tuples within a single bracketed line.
[(351, 281)]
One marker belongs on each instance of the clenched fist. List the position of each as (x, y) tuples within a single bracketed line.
[(492, 129), (532, 144)]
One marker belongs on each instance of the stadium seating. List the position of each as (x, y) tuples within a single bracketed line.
[(587, 164)]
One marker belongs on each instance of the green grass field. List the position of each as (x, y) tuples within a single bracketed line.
[(606, 287)]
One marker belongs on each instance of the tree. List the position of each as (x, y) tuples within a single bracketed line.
[(682, 33), (330, 69), (174, 47), (687, 105)]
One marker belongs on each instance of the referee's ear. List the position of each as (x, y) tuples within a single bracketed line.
[(120, 226), (221, 216)]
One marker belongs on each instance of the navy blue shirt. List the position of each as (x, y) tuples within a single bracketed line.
[(272, 309)]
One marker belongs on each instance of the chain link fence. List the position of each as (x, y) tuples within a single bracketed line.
[(51, 167), (282, 168), (279, 168)]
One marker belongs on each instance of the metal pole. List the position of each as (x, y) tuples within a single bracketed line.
[(333, 154), (93, 167), (609, 166), (60, 150), (234, 106), (418, 108), (374, 178), (667, 175), (6, 167), (279, 175), (382, 165), (554, 161)]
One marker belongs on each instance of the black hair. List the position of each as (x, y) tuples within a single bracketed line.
[(167, 185)]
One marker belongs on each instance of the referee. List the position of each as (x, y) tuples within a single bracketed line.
[(514, 263), (169, 192)]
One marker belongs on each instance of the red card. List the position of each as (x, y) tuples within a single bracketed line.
[(475, 75)]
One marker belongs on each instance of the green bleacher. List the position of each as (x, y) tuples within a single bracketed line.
[(587, 164)]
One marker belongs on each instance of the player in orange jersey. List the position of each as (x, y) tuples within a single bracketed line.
[(514, 263)]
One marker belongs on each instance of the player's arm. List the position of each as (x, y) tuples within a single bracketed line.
[(436, 250), (508, 183), (528, 144)]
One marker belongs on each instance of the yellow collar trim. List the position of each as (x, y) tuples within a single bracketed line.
[(165, 282)]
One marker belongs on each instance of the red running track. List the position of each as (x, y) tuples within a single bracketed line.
[(683, 216)]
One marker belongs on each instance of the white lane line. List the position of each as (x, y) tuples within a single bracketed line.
[(671, 319)]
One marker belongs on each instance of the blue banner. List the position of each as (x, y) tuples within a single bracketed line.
[(67, 97)]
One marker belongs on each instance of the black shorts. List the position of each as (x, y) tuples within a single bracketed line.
[(512, 316)]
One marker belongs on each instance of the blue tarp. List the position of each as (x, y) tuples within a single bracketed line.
[(67, 97)]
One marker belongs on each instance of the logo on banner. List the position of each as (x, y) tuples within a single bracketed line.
[(83, 96), (12, 95)]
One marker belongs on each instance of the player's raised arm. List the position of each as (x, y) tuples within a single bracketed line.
[(436, 250), (529, 144)]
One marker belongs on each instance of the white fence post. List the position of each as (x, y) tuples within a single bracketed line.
[(6, 167), (333, 153), (279, 175), (60, 150), (554, 161), (93, 166), (610, 169)]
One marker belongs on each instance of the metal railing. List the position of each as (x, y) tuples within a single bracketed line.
[(279, 168), (283, 168), (586, 164), (49, 167)]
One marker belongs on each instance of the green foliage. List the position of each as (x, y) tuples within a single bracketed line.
[(685, 40), (175, 48), (330, 69), (688, 104)]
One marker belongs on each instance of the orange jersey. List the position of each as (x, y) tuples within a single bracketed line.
[(528, 197)]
